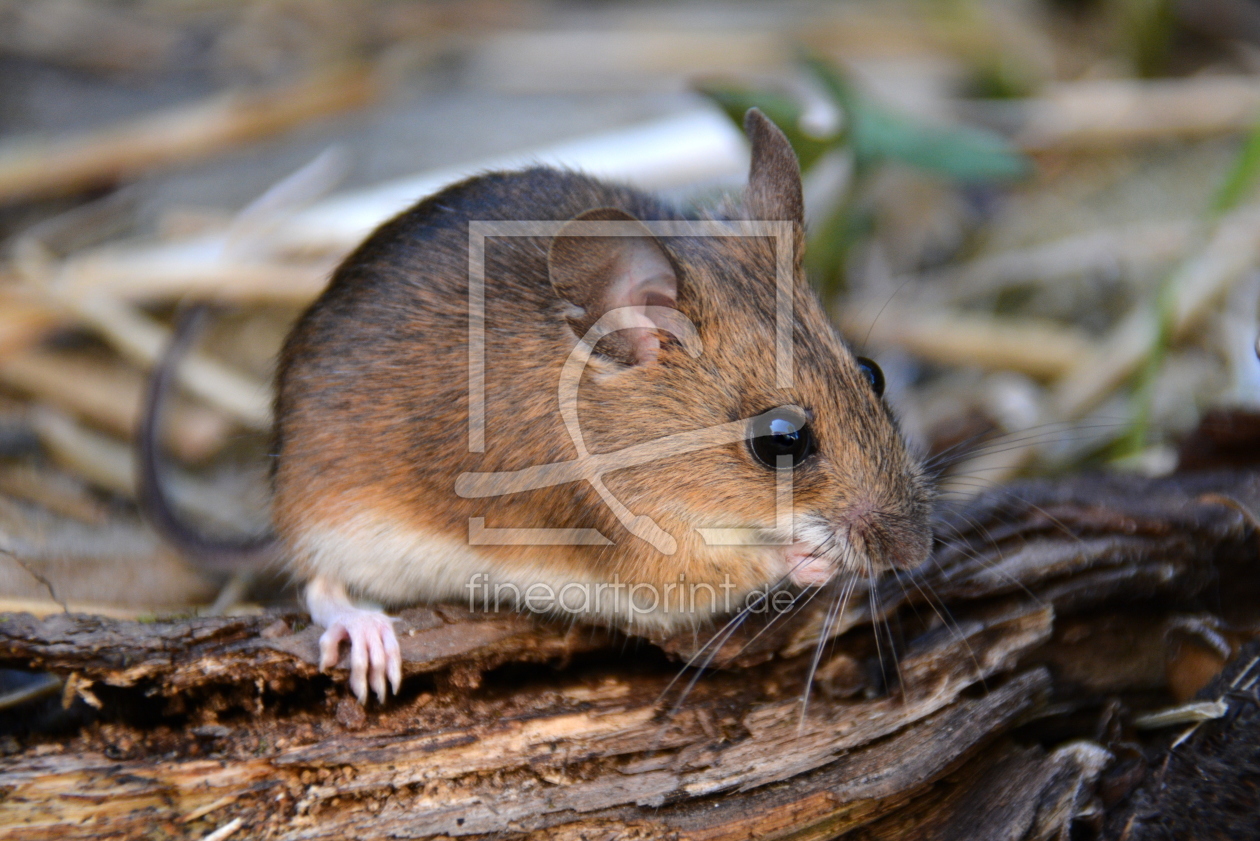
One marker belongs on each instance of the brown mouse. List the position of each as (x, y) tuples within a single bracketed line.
[(601, 424)]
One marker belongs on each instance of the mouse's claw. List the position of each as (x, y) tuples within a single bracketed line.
[(374, 652), (330, 645), (393, 660)]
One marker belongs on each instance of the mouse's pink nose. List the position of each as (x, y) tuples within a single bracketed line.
[(884, 539)]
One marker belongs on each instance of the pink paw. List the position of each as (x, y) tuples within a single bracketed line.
[(374, 652)]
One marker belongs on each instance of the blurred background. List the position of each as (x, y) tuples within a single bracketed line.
[(1039, 216)]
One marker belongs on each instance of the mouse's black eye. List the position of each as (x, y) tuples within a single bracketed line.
[(778, 433), (873, 375)]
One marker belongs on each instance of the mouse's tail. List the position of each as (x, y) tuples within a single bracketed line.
[(226, 554)]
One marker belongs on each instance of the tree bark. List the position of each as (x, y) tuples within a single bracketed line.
[(988, 695)]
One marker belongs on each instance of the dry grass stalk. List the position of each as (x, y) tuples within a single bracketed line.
[(23, 321), (164, 273), (31, 167), (290, 260), (102, 461), (47, 607), (986, 471), (1035, 347), (87, 36), (1139, 245), (54, 491), (110, 396), (605, 60), (1196, 287), (677, 151), (1100, 114), (110, 464), (143, 340)]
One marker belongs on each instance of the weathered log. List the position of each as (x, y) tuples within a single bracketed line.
[(1201, 780), (986, 700)]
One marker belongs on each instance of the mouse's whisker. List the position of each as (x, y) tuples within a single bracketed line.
[(881, 631), (712, 646), (875, 628), (994, 443), (964, 548), (719, 639), (1049, 428), (943, 613), (821, 551), (835, 611)]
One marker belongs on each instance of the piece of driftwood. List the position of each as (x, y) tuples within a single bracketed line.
[(989, 698)]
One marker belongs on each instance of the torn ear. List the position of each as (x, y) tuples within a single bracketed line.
[(774, 179), (606, 262)]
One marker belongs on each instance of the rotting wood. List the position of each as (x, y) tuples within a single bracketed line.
[(510, 725), (1201, 780)]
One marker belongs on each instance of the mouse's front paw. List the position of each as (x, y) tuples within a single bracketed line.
[(374, 652)]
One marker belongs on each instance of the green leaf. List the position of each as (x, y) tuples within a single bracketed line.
[(830, 242), (879, 134), (1146, 29), (784, 110), (1242, 175)]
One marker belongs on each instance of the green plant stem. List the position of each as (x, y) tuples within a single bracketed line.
[(1237, 184)]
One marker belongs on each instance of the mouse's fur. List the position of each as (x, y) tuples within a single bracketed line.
[(372, 406)]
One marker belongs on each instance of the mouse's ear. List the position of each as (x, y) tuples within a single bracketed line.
[(774, 179), (605, 260)]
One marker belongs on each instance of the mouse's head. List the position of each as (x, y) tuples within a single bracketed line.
[(718, 330)]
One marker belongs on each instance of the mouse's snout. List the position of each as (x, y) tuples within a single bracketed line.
[(887, 538), (863, 538)]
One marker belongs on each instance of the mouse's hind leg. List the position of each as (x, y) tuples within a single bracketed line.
[(374, 652)]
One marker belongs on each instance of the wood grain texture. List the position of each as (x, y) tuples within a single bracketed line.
[(993, 723)]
